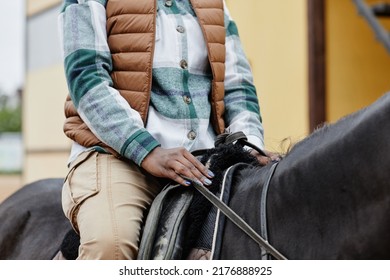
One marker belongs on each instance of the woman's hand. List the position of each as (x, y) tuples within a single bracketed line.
[(175, 164), (264, 160)]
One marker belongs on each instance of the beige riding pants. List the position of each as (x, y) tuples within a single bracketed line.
[(105, 199)]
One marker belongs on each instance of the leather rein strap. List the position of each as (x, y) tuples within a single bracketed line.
[(241, 139), (263, 207), (237, 220)]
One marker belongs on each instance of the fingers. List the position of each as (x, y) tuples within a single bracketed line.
[(175, 164), (190, 167), (264, 160), (273, 156), (179, 179), (197, 166)]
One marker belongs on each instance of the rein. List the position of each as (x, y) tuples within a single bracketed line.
[(237, 220), (230, 214), (263, 207)]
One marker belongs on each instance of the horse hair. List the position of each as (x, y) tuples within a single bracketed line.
[(219, 159)]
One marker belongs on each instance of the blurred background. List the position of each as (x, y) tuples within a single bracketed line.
[(314, 61)]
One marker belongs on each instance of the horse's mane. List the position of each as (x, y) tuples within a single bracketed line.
[(328, 130)]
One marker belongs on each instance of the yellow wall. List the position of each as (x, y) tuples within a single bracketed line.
[(36, 6), (46, 147), (8, 185), (358, 66), (274, 34)]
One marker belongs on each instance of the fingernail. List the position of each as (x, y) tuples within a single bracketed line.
[(187, 183), (207, 182), (198, 182), (211, 174)]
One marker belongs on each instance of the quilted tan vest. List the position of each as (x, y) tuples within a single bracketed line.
[(131, 27)]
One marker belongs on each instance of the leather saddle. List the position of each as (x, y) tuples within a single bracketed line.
[(172, 230), (166, 224), (168, 229)]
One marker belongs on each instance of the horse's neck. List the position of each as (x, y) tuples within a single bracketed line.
[(330, 184), (357, 145)]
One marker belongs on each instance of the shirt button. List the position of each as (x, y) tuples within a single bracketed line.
[(191, 135), (187, 99), (183, 64), (168, 3), (180, 29)]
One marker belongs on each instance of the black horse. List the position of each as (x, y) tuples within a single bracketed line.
[(329, 198), (32, 224)]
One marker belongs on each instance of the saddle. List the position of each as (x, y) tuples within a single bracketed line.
[(165, 228), (168, 232), (182, 223)]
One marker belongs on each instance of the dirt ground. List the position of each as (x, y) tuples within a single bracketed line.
[(8, 185)]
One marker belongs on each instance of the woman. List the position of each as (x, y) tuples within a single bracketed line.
[(149, 82)]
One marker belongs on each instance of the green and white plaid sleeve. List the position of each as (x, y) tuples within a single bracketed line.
[(241, 101), (87, 61)]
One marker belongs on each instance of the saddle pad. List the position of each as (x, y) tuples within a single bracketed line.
[(227, 188), (167, 222), (165, 226)]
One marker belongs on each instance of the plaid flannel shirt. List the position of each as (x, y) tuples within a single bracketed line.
[(179, 114)]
